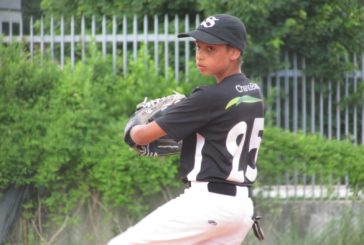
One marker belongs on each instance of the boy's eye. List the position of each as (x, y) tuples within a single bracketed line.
[(207, 49)]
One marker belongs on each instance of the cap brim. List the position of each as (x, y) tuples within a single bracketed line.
[(202, 36)]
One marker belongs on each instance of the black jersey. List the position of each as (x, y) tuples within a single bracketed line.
[(221, 126)]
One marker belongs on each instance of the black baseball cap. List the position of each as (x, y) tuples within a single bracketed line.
[(220, 29)]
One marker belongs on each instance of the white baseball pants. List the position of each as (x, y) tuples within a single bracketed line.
[(197, 217)]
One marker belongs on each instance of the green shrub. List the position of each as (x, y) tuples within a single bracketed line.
[(25, 89), (62, 130), (283, 151), (62, 134)]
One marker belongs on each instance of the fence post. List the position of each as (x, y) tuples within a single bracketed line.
[(21, 31), (145, 31), (156, 43), (338, 113), (187, 48), (355, 109), (31, 38), (346, 106), (278, 100), (304, 101), (295, 94), (114, 45), (52, 37), (62, 42), (104, 36), (93, 26), (83, 55), (321, 112), (286, 92), (11, 29), (125, 46), (135, 35), (197, 21), (72, 42), (329, 112), (176, 48), (166, 49), (313, 105), (41, 39)]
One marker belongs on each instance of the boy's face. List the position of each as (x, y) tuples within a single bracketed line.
[(217, 60)]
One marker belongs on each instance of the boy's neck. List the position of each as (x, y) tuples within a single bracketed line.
[(227, 74)]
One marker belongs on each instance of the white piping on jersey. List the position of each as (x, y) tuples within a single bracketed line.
[(168, 146), (200, 142)]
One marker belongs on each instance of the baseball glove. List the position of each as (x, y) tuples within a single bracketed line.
[(148, 111)]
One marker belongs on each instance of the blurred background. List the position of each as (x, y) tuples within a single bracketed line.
[(71, 73)]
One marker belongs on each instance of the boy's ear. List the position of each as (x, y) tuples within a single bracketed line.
[(235, 53)]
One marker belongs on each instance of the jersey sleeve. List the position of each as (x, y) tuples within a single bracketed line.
[(187, 116)]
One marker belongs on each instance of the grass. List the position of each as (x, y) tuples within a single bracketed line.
[(345, 228)]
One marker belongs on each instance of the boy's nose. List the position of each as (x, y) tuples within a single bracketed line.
[(199, 55)]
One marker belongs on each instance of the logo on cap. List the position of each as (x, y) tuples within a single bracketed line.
[(209, 22)]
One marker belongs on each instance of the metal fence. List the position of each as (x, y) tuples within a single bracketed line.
[(59, 39), (305, 104), (300, 185), (300, 103)]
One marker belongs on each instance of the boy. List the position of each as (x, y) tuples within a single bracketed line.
[(221, 126)]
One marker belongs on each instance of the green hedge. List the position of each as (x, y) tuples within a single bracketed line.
[(61, 133), (62, 130), (283, 151)]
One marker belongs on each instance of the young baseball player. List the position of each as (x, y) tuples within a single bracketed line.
[(221, 126)]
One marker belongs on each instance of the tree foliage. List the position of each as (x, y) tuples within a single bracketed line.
[(325, 32), (118, 8)]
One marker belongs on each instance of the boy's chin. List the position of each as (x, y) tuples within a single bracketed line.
[(205, 73)]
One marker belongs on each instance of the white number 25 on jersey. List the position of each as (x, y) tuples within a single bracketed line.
[(240, 130)]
